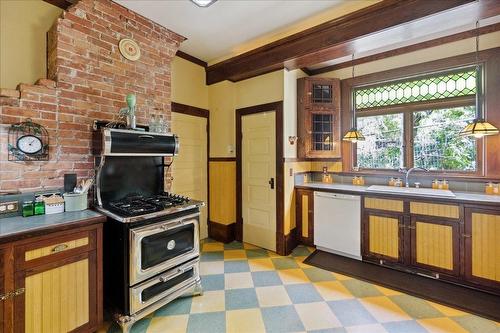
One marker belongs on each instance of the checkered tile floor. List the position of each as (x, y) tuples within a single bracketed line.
[(248, 289)]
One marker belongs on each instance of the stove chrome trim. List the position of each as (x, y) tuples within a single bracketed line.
[(136, 273), (135, 298), (191, 204), (107, 142)]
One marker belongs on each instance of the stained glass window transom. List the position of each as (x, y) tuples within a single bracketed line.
[(456, 84)]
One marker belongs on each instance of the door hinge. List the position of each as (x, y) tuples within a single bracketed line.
[(12, 294)]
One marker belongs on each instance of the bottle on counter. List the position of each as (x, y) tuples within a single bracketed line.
[(162, 126), (28, 209), (488, 189), (445, 185), (392, 181), (496, 189), (435, 184), (39, 206), (153, 123)]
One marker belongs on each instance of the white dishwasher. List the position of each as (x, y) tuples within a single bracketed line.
[(337, 223)]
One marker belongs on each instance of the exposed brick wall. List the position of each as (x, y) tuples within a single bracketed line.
[(89, 81)]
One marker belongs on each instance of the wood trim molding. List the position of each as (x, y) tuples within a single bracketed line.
[(189, 110), (222, 159), (407, 49), (280, 204), (224, 233), (191, 58), (291, 240), (315, 45), (63, 4)]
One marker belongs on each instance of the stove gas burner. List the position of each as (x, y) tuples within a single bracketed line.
[(134, 205)]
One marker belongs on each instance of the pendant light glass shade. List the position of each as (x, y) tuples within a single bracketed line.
[(353, 135), (479, 127)]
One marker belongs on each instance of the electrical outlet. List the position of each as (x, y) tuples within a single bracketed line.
[(291, 172), (8, 207)]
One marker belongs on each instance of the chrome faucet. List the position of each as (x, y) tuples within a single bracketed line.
[(407, 173)]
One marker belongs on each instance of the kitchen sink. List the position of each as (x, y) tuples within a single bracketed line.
[(428, 192)]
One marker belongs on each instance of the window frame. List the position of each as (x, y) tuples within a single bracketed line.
[(407, 110)]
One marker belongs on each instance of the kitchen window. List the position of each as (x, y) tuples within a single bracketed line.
[(415, 123)]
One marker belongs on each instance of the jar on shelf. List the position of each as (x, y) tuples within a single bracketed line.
[(28, 209), (39, 206)]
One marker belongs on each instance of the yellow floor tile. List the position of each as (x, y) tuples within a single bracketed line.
[(300, 262), (441, 325), (247, 246), (272, 296), (317, 316), (341, 277), (235, 254), (383, 309), (257, 265), (210, 301), (274, 254), (387, 291), (238, 280), (174, 324), (209, 247), (446, 310), (292, 276), (245, 321), (332, 290)]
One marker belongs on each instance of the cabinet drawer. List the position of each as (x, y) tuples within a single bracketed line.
[(384, 204), (53, 248), (439, 210)]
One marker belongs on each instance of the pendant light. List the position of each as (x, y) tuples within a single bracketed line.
[(479, 127), (353, 135)]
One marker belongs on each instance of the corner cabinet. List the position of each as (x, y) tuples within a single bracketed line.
[(55, 282), (482, 246), (318, 118)]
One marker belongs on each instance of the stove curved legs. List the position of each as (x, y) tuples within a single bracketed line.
[(125, 322)]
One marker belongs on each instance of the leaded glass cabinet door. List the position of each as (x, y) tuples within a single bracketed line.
[(318, 118)]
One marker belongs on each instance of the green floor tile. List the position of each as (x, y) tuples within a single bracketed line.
[(415, 307), (361, 289), (477, 324), (284, 263), (317, 274)]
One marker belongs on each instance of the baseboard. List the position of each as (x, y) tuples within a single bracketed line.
[(224, 233), (291, 241)]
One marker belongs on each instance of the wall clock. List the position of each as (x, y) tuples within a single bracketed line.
[(28, 141), (129, 49)]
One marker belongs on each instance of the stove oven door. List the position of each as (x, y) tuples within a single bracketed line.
[(160, 246), (164, 286)]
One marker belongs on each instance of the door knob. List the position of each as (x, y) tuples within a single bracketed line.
[(271, 183)]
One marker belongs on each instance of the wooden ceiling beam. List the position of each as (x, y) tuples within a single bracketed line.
[(63, 4), (406, 49), (287, 52)]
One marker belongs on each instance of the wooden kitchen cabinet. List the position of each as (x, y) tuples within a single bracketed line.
[(482, 246), (304, 216), (383, 230), (318, 118), (54, 282)]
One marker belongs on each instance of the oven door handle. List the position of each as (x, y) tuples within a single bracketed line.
[(166, 277), (168, 226)]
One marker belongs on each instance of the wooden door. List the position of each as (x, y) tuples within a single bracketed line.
[(304, 215), (435, 244), (259, 179), (190, 168), (59, 296), (383, 236), (482, 246)]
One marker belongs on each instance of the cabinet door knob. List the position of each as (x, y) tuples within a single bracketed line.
[(467, 236)]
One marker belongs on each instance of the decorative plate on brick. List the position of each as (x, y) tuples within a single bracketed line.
[(129, 49)]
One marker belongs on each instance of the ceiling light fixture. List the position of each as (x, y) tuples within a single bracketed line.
[(479, 127), (203, 3), (353, 135)]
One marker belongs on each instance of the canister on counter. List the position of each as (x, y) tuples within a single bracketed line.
[(28, 209)]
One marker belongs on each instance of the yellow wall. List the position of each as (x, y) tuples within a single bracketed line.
[(188, 83), (23, 24)]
